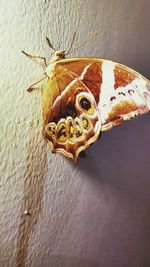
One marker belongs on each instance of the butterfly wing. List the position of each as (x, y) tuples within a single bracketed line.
[(71, 116), (120, 92), (86, 95)]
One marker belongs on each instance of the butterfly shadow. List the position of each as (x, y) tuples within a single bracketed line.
[(121, 158)]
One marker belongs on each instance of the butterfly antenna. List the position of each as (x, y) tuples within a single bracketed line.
[(73, 38), (49, 44), (90, 37)]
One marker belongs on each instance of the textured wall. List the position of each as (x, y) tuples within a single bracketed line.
[(95, 213)]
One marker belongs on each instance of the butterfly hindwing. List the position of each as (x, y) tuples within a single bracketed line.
[(72, 121)]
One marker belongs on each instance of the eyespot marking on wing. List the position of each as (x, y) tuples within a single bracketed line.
[(71, 130), (112, 98), (78, 130), (85, 103), (130, 91), (121, 93), (50, 129), (86, 123), (61, 132)]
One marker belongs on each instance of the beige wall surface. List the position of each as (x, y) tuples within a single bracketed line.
[(54, 213)]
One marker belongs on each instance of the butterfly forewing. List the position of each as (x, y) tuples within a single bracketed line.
[(128, 96), (119, 91)]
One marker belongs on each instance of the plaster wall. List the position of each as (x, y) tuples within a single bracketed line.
[(54, 213)]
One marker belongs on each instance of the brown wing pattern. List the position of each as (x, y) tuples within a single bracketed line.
[(84, 96), (120, 92), (128, 97), (71, 121)]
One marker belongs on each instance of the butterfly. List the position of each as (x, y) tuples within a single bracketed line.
[(86, 96)]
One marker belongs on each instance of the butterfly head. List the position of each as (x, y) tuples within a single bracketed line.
[(58, 55)]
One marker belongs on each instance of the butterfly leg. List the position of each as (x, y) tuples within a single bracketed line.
[(35, 57), (31, 88)]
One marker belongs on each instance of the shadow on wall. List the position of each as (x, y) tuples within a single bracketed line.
[(31, 206), (121, 158), (61, 261)]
